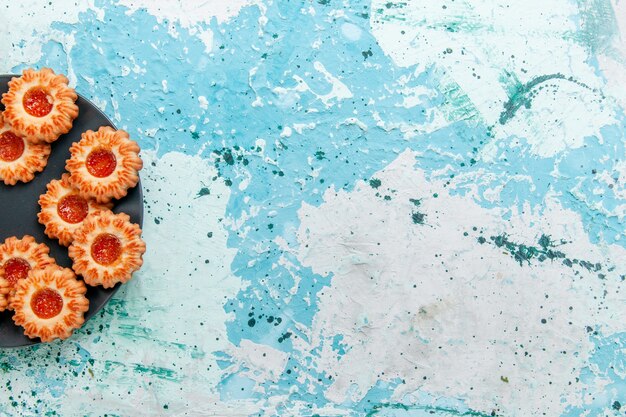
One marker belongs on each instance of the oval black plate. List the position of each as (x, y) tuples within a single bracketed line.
[(19, 208)]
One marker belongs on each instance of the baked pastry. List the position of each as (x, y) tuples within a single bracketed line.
[(4, 293), (20, 256), (107, 249), (39, 105), (63, 210), (50, 303), (104, 164), (19, 159)]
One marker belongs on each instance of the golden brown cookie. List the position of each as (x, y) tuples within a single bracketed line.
[(107, 249), (40, 106), (63, 210), (104, 164), (19, 159), (50, 303), (20, 256)]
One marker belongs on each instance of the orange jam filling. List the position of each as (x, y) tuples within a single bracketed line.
[(37, 102), (101, 163), (16, 269), (72, 208), (46, 303), (11, 146), (106, 248)]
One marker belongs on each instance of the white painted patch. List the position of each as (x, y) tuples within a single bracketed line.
[(430, 306), (261, 363), (354, 121), (27, 28), (188, 13), (300, 127), (206, 36), (338, 91), (286, 132)]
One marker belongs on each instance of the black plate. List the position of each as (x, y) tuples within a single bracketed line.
[(19, 208)]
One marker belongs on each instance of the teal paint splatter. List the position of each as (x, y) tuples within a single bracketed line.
[(523, 253), (544, 251), (417, 217), (203, 191)]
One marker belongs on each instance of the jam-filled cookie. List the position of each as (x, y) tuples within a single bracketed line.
[(19, 159), (50, 303), (63, 210), (104, 164), (18, 257), (107, 249), (4, 293), (39, 105)]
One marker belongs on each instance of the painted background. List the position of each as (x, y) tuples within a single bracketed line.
[(354, 208)]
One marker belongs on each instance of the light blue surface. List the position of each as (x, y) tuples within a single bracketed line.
[(275, 180)]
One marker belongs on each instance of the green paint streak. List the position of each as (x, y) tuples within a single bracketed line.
[(388, 17), (523, 94), (392, 5), (162, 373), (138, 368), (116, 307), (133, 332), (429, 408), (130, 331), (465, 24)]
